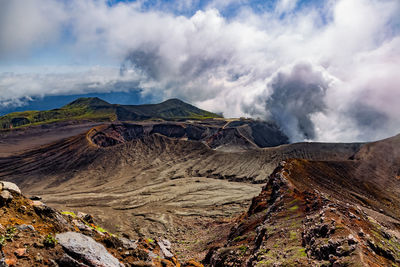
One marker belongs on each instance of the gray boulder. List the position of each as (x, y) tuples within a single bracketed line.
[(5, 196), (25, 227), (87, 250), (165, 246), (128, 244), (10, 187)]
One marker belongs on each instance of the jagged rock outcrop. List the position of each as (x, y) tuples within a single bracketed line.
[(300, 219), (227, 135)]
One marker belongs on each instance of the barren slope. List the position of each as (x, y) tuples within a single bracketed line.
[(23, 139), (313, 213), (155, 183)]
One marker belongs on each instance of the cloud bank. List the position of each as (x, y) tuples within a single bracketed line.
[(322, 72)]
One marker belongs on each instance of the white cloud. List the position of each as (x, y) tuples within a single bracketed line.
[(341, 60), (28, 23), (16, 88)]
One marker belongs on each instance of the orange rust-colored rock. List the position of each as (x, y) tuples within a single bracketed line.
[(11, 261), (194, 263), (20, 252)]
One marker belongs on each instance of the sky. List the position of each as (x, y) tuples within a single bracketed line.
[(322, 70)]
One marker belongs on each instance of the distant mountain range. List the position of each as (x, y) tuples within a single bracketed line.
[(94, 108)]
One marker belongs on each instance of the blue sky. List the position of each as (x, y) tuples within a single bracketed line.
[(230, 8), (305, 64)]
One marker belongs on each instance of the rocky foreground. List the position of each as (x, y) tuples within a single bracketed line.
[(33, 234)]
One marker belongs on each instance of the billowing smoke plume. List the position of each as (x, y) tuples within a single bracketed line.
[(326, 72), (297, 95)]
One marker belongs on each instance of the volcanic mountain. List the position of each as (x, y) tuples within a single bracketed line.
[(96, 109), (197, 182)]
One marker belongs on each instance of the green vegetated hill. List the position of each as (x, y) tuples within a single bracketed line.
[(94, 108)]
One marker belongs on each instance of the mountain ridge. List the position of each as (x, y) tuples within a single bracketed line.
[(96, 109), (322, 213)]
